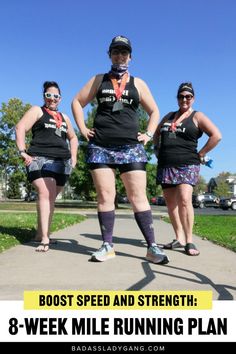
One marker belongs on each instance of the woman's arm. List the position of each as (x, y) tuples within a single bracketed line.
[(73, 141), (23, 126), (206, 125), (149, 105), (83, 97)]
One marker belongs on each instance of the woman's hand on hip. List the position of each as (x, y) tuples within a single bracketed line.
[(88, 133), (143, 138), (27, 158)]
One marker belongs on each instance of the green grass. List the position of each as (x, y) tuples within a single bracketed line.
[(220, 229), (18, 228), (18, 206), (59, 206)]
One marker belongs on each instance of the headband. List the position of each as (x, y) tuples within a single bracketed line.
[(186, 88)]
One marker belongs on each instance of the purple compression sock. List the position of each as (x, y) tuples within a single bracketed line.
[(145, 223), (106, 222)]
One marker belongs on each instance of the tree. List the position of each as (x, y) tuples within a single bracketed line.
[(201, 186), (14, 184), (222, 189), (223, 176), (10, 163), (152, 188), (80, 179)]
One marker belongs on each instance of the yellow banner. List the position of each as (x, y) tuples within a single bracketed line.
[(117, 300)]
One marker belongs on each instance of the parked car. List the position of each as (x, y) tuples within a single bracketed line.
[(228, 202), (159, 200), (122, 199), (31, 197), (205, 200)]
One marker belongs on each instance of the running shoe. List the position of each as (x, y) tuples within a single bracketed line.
[(156, 255), (104, 253)]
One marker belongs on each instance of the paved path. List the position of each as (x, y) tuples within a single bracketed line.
[(67, 267)]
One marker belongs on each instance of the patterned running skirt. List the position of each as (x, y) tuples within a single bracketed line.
[(188, 174), (42, 167), (122, 154)]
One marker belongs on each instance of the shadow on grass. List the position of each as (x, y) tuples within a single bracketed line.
[(21, 235)]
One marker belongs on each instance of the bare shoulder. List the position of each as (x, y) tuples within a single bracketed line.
[(66, 117), (99, 77), (35, 111), (30, 117), (204, 122), (139, 83), (200, 117), (96, 80), (92, 85), (143, 90)]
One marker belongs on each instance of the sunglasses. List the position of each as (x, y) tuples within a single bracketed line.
[(188, 97), (52, 95), (123, 52)]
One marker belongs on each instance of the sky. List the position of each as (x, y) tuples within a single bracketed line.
[(173, 41)]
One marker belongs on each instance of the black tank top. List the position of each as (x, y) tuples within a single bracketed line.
[(181, 149), (44, 140), (120, 127)]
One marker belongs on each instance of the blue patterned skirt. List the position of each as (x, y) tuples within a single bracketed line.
[(188, 174), (122, 154)]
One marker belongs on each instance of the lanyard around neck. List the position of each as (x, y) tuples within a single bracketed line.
[(119, 89), (56, 116), (179, 120)]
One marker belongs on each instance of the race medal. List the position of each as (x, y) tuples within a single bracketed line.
[(58, 132), (172, 135), (58, 120), (118, 106)]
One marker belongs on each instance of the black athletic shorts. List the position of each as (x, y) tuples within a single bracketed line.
[(127, 167)]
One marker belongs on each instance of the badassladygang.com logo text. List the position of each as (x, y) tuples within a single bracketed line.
[(118, 348)]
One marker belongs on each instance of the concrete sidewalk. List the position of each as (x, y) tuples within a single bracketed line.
[(66, 265)]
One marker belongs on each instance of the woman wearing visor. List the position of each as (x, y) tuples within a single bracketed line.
[(116, 143), (49, 160)]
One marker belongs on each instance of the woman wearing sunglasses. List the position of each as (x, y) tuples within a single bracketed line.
[(179, 161), (115, 143), (48, 159)]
